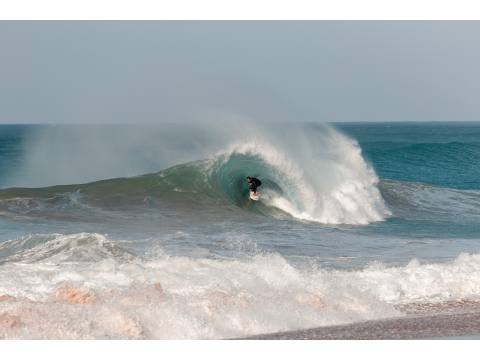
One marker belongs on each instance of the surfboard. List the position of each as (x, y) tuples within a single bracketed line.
[(253, 196)]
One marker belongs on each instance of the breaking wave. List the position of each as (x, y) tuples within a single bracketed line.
[(113, 296), (321, 178)]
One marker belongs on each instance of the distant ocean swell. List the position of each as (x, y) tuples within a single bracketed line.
[(183, 252)]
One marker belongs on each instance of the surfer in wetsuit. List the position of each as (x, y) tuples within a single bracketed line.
[(254, 183)]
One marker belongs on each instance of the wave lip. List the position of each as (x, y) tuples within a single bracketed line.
[(327, 182), (317, 176)]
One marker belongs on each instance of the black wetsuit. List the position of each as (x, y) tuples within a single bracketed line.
[(254, 183)]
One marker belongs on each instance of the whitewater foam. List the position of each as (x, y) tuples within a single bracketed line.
[(322, 177), (313, 174), (166, 296)]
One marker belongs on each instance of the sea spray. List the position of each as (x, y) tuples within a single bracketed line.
[(180, 252), (163, 296), (314, 174), (319, 178)]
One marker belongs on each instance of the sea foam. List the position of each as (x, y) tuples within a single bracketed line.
[(323, 177), (173, 297)]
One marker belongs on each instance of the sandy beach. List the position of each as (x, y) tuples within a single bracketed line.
[(446, 326)]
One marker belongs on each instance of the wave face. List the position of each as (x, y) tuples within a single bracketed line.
[(318, 176), (422, 201), (183, 253), (333, 187)]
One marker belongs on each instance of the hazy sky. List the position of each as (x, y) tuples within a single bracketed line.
[(76, 72)]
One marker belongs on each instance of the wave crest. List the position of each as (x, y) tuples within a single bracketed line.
[(58, 248), (316, 175), (327, 181)]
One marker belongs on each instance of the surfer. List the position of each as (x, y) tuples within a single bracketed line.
[(254, 183)]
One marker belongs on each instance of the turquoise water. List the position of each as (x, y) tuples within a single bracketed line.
[(384, 214), (428, 176), (435, 166), (440, 154)]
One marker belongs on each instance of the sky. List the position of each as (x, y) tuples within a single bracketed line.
[(166, 71)]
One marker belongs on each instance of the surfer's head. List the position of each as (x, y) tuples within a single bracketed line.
[(249, 178)]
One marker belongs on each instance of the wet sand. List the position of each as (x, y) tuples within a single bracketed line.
[(443, 326)]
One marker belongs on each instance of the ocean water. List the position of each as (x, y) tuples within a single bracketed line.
[(148, 232)]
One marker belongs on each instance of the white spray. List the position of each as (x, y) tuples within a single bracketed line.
[(327, 179)]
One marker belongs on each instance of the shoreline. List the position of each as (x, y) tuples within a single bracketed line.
[(442, 326)]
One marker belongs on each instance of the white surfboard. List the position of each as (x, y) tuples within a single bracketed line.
[(253, 196)]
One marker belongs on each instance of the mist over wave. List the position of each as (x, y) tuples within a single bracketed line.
[(319, 178), (156, 237), (312, 173)]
